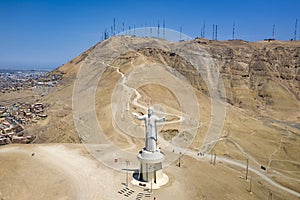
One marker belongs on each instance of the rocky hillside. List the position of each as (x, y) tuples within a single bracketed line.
[(262, 78)]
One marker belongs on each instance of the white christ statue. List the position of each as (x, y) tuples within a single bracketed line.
[(151, 131)]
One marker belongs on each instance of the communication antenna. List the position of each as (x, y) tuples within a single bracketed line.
[(145, 29), (105, 34), (164, 29), (133, 29), (129, 28), (123, 26), (213, 34), (204, 29), (233, 29), (295, 33), (114, 26), (201, 33), (216, 37), (273, 32), (158, 29)]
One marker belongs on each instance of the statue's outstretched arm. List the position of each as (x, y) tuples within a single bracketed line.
[(160, 119), (139, 117)]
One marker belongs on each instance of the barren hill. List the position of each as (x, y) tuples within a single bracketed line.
[(262, 91), (261, 78)]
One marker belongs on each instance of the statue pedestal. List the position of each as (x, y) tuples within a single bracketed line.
[(151, 166)]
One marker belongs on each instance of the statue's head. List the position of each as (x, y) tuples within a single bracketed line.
[(150, 111)]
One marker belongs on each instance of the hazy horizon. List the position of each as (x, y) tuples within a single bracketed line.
[(43, 68)]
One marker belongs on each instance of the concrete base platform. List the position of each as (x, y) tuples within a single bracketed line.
[(147, 185)]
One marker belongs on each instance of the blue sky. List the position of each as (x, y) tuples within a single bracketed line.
[(46, 34)]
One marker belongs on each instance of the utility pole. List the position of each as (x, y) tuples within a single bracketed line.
[(179, 159), (215, 156), (127, 163), (273, 32), (250, 184), (247, 169), (270, 195)]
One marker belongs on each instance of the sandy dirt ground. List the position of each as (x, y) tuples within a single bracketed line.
[(67, 171)]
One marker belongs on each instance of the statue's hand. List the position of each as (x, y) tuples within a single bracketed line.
[(163, 119), (135, 115)]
